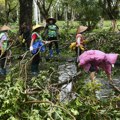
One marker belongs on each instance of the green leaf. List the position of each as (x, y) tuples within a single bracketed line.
[(75, 112)]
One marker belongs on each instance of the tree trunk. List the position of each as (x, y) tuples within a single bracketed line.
[(72, 15), (44, 9), (35, 13), (39, 16), (25, 13), (51, 12), (66, 14), (113, 25), (6, 17)]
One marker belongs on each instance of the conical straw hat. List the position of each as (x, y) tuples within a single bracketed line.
[(53, 19), (81, 29), (36, 27), (4, 28)]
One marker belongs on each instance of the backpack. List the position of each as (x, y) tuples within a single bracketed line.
[(52, 30)]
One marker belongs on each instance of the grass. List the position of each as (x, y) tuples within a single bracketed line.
[(74, 24)]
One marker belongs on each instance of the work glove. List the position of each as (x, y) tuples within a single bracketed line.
[(31, 48)]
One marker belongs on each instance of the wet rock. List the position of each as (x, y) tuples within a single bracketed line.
[(106, 90), (66, 71)]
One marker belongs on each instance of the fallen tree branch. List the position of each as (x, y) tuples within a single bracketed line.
[(53, 105), (115, 88)]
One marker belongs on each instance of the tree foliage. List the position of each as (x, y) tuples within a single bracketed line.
[(44, 6), (10, 10), (25, 13), (110, 8), (37, 99)]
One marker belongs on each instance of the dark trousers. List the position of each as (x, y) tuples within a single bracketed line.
[(51, 44), (2, 63), (80, 51), (3, 59), (35, 63)]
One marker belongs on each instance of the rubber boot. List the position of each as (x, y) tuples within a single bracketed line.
[(3, 71), (58, 51), (34, 69), (51, 53)]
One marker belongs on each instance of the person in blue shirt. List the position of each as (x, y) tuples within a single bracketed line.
[(36, 46)]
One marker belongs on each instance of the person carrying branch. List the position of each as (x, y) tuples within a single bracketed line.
[(36, 46), (51, 32), (3, 47)]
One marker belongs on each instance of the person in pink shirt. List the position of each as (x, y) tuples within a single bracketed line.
[(92, 60)]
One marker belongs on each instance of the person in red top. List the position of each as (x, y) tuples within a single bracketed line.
[(36, 45), (34, 36)]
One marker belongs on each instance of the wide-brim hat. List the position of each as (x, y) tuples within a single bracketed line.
[(4, 28), (37, 27), (81, 29), (49, 19)]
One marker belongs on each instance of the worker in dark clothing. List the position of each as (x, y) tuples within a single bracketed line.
[(51, 32)]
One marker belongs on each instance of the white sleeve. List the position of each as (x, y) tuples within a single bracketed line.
[(4, 37), (78, 40)]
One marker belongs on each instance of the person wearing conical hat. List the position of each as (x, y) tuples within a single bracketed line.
[(3, 47), (92, 60), (51, 19), (80, 38), (78, 46), (51, 33), (36, 46)]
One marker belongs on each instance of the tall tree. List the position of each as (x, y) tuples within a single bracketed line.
[(44, 6), (10, 7), (87, 11), (111, 9), (25, 13)]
